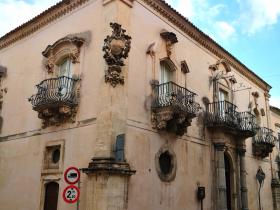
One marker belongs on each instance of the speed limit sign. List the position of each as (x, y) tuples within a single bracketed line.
[(71, 194)]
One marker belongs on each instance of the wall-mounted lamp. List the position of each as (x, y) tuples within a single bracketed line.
[(201, 195)]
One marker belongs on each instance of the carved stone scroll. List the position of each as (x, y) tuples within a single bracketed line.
[(116, 48), (170, 39)]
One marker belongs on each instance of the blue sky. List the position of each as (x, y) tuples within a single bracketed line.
[(249, 29)]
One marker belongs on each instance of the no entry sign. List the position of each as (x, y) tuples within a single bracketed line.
[(72, 175), (71, 194)]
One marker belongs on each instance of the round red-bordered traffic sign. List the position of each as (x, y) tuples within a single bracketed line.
[(72, 175), (71, 194)]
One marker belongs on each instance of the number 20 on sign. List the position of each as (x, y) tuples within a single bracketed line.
[(71, 194)]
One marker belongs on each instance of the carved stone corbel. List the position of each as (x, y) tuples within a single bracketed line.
[(160, 118), (170, 39), (215, 67), (184, 67), (256, 96), (56, 117), (116, 48), (172, 119), (3, 71)]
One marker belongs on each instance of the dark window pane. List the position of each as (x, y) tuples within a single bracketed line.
[(56, 155), (165, 163)]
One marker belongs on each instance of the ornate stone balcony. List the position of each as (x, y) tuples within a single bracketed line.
[(173, 107), (263, 142), (224, 115), (56, 100)]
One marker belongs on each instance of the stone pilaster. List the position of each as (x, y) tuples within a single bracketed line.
[(267, 109), (112, 100), (108, 178), (107, 184), (243, 184), (221, 179)]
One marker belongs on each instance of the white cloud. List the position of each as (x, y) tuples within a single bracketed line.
[(15, 12), (257, 14), (275, 101), (224, 30), (196, 9), (206, 15), (184, 7)]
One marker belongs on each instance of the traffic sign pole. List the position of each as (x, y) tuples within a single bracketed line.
[(78, 201)]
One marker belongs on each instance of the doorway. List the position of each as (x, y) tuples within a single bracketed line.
[(51, 196), (228, 175)]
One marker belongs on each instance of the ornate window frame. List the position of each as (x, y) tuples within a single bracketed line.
[(45, 180), (172, 174), (69, 46), (51, 168), (52, 175), (222, 79)]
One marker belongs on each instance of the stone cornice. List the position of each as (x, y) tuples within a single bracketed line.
[(274, 109), (191, 30), (43, 19), (127, 2)]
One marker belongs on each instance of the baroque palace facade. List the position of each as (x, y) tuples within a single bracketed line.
[(154, 113)]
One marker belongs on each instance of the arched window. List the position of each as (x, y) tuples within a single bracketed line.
[(166, 71), (223, 95), (64, 68), (62, 54), (51, 196), (224, 90)]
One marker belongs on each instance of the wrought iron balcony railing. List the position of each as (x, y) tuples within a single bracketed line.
[(173, 107), (265, 135), (263, 142), (224, 114), (171, 94), (221, 113), (56, 99), (55, 91), (247, 124)]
